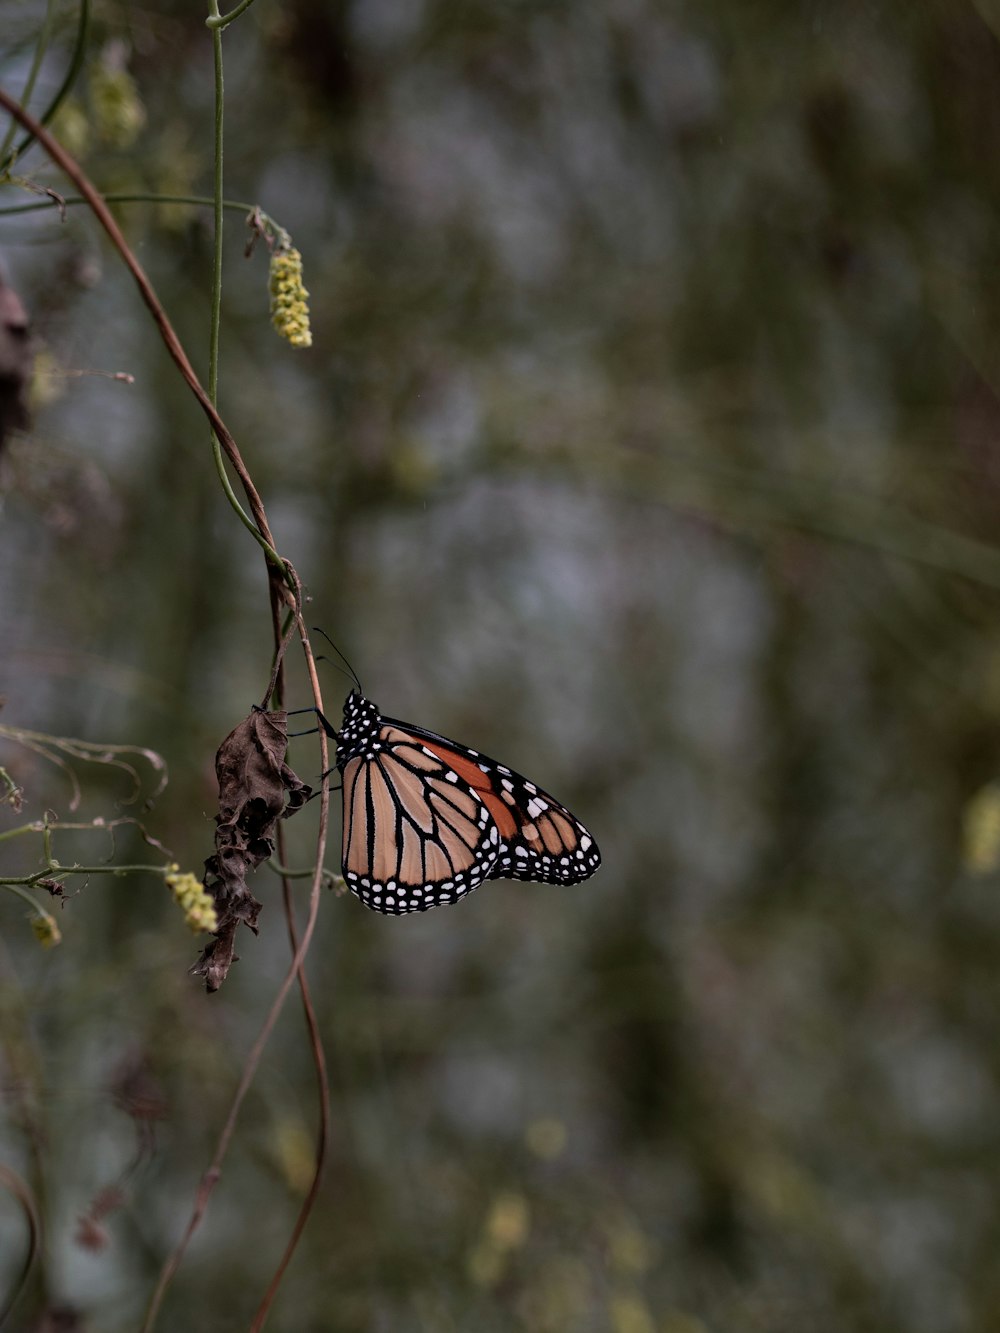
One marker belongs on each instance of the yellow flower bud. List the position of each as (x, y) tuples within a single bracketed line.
[(118, 112), (46, 930), (189, 894), (981, 831), (289, 299)]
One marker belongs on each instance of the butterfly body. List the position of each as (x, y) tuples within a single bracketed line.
[(427, 820)]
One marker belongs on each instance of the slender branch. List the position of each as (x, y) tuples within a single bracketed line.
[(275, 686), (33, 903), (56, 871), (34, 827), (283, 871), (198, 200), (217, 216), (323, 1128), (12, 793)]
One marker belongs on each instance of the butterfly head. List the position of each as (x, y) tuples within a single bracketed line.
[(360, 733)]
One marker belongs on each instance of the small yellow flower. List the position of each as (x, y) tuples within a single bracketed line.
[(189, 893), (118, 112), (289, 299), (71, 126), (981, 830), (509, 1221), (505, 1230), (46, 930), (546, 1137), (630, 1314)]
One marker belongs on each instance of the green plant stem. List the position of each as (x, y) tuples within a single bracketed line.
[(11, 790), (323, 1129), (57, 871), (198, 200), (23, 893), (217, 219), (217, 215), (75, 65), (217, 21), (34, 827)]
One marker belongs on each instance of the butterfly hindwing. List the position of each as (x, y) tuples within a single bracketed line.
[(427, 820), (414, 835)]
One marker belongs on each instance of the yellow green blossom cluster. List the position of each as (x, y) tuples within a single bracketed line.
[(118, 111), (189, 893), (46, 929), (981, 850), (289, 299), (982, 831), (112, 112)]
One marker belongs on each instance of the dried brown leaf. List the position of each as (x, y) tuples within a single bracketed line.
[(256, 788)]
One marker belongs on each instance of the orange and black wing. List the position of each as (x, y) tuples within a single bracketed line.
[(416, 834), (539, 839)]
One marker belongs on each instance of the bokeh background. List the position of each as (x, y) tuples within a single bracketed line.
[(648, 441)]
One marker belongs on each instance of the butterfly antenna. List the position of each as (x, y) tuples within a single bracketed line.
[(354, 674), (322, 657)]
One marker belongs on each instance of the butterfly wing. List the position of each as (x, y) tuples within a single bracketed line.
[(416, 835), (540, 840)]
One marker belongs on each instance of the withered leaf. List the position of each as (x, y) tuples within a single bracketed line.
[(256, 788)]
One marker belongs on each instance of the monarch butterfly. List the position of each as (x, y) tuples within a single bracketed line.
[(427, 820)]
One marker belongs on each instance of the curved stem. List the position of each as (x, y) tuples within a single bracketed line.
[(199, 200), (33, 827), (20, 1191), (33, 903)]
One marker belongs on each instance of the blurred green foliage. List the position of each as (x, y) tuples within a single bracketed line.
[(648, 440)]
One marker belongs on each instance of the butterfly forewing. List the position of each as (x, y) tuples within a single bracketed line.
[(414, 836)]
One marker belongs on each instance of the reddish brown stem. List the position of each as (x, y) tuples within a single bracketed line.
[(212, 1175), (323, 1129)]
